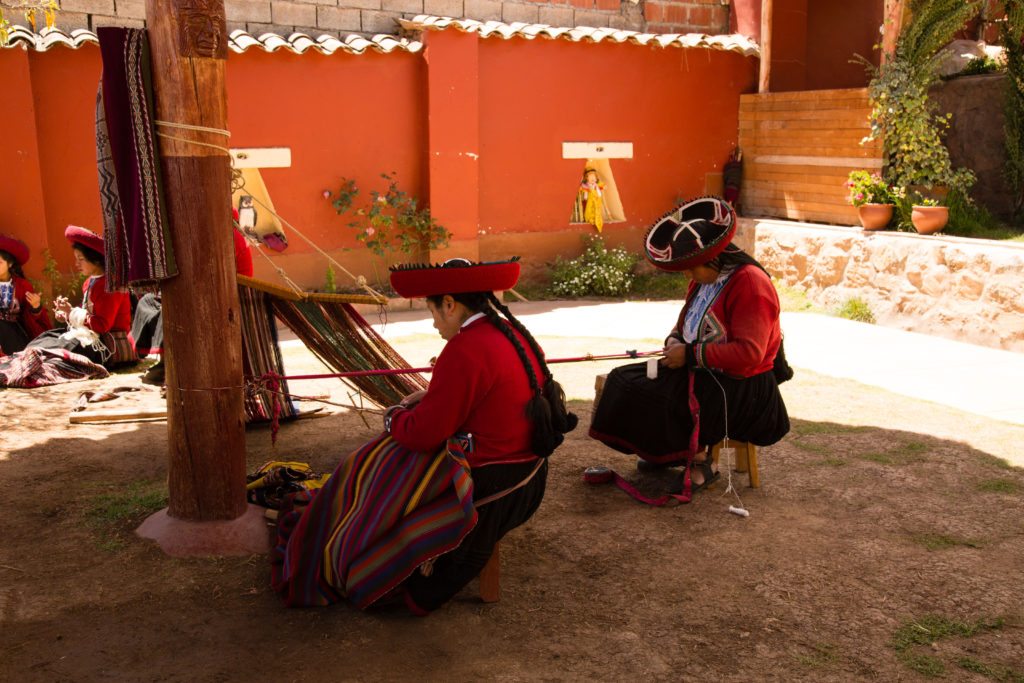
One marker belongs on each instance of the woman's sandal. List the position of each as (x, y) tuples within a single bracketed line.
[(710, 476)]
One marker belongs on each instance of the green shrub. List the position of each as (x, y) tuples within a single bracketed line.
[(598, 271), (856, 309)]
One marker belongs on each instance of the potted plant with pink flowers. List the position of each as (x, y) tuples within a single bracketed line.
[(873, 198)]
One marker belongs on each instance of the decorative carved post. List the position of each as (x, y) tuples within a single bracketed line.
[(202, 329)]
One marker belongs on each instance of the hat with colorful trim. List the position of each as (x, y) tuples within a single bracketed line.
[(691, 234), (15, 247), (454, 276), (84, 237)]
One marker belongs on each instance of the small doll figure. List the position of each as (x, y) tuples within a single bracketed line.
[(591, 199)]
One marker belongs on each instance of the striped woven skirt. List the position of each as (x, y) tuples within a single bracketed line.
[(385, 511)]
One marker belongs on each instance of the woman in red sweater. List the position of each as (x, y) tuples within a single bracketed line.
[(488, 392), (22, 316), (98, 329), (723, 358)]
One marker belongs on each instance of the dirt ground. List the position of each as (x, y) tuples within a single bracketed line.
[(886, 543)]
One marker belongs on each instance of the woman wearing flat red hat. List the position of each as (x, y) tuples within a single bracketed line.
[(22, 316), (491, 403), (98, 329), (723, 358)]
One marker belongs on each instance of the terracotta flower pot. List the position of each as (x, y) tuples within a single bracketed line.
[(929, 219), (875, 216)]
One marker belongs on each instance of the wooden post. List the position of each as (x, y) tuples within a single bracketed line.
[(764, 82), (892, 25), (202, 328)]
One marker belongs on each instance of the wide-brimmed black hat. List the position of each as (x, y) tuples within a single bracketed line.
[(691, 234)]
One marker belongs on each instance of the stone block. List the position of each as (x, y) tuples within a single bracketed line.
[(380, 22), (483, 10), (99, 20), (105, 7), (131, 9), (402, 6), (556, 16), (247, 11), (968, 285), (258, 28), (66, 21), (626, 23), (292, 13), (514, 11), (328, 3), (444, 8), (591, 18), (339, 19)]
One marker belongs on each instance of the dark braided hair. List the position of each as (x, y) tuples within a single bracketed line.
[(546, 408), (12, 264)]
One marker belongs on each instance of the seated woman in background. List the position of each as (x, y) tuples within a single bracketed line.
[(22, 316), (416, 512), (147, 322), (723, 359), (96, 337)]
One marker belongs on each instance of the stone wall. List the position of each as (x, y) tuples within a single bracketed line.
[(964, 289), (344, 17)]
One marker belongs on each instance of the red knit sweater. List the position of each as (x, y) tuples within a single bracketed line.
[(108, 311), (479, 386), (740, 333)]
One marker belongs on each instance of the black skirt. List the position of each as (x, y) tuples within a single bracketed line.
[(662, 420), (13, 337), (148, 325)]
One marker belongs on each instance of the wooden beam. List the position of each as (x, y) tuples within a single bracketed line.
[(202, 323), (893, 24), (764, 80)]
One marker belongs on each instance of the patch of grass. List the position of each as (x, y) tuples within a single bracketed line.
[(832, 462), (914, 447), (794, 300), (812, 428), (138, 499), (931, 629), (998, 463), (896, 457), (999, 486), (659, 286), (943, 541), (111, 544), (809, 447), (857, 309), (823, 655), (880, 458)]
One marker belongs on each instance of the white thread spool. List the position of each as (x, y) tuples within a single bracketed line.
[(739, 511), (652, 368)]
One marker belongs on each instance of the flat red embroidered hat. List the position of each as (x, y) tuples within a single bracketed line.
[(87, 238), (454, 276), (691, 234), (15, 247)]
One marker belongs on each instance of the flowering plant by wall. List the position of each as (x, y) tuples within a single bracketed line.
[(868, 188), (598, 271)]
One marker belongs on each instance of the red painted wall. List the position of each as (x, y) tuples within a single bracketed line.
[(679, 108), (836, 31), (789, 46), (362, 115)]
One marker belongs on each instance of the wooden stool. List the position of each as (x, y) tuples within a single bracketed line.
[(746, 459), (490, 577)]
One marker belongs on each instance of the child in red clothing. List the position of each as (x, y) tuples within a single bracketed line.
[(22, 316)]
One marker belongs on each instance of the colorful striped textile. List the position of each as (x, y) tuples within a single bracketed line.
[(334, 331), (261, 354), (385, 511), (135, 225), (38, 367)]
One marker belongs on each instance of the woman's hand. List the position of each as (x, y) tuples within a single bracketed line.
[(34, 300), (413, 398), (675, 356), (61, 308)]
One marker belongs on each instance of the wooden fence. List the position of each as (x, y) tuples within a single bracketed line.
[(798, 148)]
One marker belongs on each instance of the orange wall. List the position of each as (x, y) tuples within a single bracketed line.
[(358, 116), (678, 107), (21, 192), (836, 31)]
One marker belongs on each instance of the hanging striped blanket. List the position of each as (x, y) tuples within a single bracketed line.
[(385, 511)]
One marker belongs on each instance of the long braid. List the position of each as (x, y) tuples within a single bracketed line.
[(506, 330), (521, 328)]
